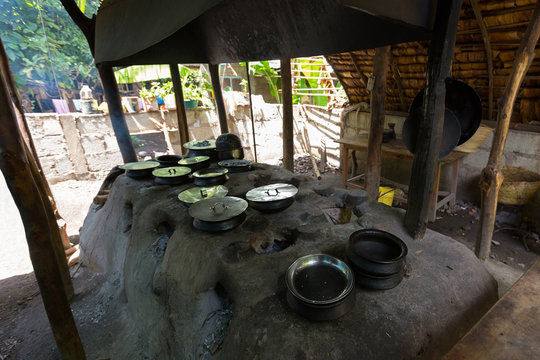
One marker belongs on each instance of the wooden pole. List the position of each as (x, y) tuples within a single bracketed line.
[(492, 178), (22, 185), (251, 111), (288, 132), (116, 112), (397, 78), (376, 128), (27, 137), (180, 106), (489, 54), (220, 105), (424, 169)]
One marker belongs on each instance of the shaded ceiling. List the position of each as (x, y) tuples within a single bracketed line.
[(135, 32), (506, 22)]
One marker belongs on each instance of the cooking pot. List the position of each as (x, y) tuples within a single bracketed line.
[(271, 197), (210, 177), (168, 160), (174, 175), (139, 169), (376, 252)]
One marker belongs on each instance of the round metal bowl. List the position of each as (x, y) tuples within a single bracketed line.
[(319, 280), (139, 169), (210, 177), (168, 160), (376, 252), (195, 163)]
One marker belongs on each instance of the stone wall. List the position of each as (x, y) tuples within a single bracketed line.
[(80, 146), (522, 149)]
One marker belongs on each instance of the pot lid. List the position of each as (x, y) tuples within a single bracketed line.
[(197, 193), (218, 209), (210, 173), (193, 160), (272, 192), (200, 144), (171, 172), (139, 165), (235, 163)]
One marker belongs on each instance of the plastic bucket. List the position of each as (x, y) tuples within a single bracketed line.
[(386, 195)]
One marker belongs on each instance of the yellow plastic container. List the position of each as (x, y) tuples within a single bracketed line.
[(386, 195)]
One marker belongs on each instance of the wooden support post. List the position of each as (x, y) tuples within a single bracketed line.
[(31, 204), (220, 105), (425, 163), (116, 113), (397, 79), (492, 178), (251, 111), (376, 128), (489, 54), (288, 133), (180, 106)]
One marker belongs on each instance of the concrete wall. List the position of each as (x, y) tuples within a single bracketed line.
[(80, 146), (522, 149)]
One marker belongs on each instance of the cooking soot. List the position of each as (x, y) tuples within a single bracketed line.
[(320, 283), (378, 249)]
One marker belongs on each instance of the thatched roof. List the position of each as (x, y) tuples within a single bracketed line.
[(506, 21)]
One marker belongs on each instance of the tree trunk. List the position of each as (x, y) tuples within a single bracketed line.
[(424, 170), (376, 128), (31, 204), (288, 132), (251, 111), (492, 178), (220, 105)]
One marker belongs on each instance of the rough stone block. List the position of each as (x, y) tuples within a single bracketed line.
[(110, 143), (103, 161), (51, 126), (93, 144), (50, 145)]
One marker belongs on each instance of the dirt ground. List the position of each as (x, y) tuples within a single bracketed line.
[(24, 330)]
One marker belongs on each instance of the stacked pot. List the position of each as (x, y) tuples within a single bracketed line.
[(377, 258)]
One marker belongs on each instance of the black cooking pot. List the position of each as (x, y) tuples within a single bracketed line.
[(236, 165), (202, 148), (174, 175), (139, 169), (464, 103), (376, 252), (168, 160), (230, 154), (377, 282), (195, 162), (210, 177), (273, 197)]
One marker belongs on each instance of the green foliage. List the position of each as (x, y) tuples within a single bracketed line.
[(263, 68), (27, 45)]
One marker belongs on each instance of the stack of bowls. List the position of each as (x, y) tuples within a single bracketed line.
[(377, 258)]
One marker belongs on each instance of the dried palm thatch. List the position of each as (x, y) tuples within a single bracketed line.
[(506, 21)]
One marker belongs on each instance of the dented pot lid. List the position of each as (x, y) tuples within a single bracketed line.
[(272, 192), (139, 165), (198, 193), (171, 172), (218, 209), (201, 144)]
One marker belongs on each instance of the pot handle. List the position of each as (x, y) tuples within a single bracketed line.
[(268, 192), (172, 171), (204, 194), (219, 208)]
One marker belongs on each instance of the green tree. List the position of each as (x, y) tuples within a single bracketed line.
[(44, 46)]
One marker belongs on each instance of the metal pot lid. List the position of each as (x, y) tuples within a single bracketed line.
[(193, 160), (235, 163), (210, 173), (171, 172), (139, 165), (198, 193), (218, 209), (272, 192), (201, 144)]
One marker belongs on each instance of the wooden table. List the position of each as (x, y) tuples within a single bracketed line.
[(510, 329), (396, 149)]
